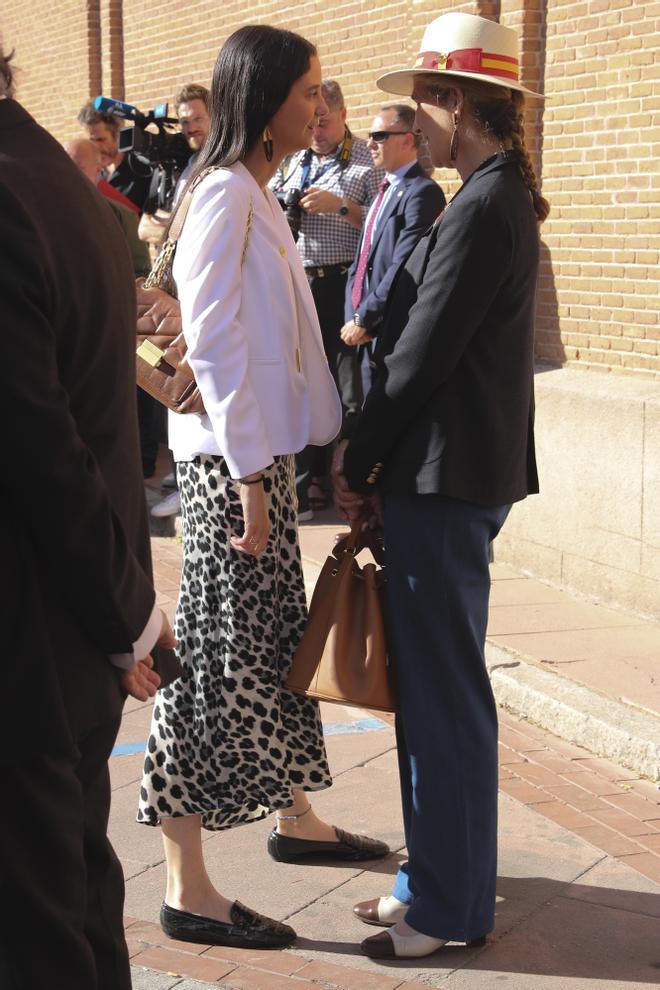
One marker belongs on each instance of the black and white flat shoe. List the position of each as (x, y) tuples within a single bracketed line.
[(349, 848), (390, 945), (248, 929), (383, 911)]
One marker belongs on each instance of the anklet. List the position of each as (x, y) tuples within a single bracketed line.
[(288, 818)]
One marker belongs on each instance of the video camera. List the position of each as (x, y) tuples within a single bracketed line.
[(163, 153)]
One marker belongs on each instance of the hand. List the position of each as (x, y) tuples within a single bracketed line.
[(141, 681), (320, 201), (354, 335), (349, 504), (255, 519)]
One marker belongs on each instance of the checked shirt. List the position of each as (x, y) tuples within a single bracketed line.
[(327, 238)]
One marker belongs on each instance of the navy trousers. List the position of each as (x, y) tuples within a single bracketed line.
[(437, 552)]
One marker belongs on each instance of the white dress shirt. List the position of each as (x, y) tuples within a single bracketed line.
[(254, 341)]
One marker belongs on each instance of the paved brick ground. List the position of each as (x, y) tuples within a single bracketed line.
[(602, 803)]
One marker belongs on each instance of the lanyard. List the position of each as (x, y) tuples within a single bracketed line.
[(342, 158), (305, 181)]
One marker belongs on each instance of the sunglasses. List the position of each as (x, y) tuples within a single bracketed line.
[(380, 136)]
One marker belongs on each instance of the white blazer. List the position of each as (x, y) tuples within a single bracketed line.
[(253, 336)]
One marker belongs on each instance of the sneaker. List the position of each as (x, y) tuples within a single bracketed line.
[(169, 481), (169, 506)]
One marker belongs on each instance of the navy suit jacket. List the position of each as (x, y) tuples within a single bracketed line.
[(410, 210), (452, 409)]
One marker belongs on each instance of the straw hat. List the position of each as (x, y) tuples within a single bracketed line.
[(464, 46)]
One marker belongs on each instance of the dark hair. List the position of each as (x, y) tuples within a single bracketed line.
[(6, 74), (191, 91), (89, 116), (405, 115), (253, 75), (499, 110)]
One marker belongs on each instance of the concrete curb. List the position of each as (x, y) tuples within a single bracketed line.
[(574, 713)]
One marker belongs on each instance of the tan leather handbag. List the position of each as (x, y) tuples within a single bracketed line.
[(343, 655), (162, 368)]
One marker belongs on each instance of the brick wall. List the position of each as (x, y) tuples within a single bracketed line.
[(601, 142), (595, 143)]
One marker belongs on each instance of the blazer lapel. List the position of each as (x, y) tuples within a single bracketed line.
[(305, 300), (393, 202)]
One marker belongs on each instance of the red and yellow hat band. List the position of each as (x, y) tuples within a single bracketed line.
[(470, 60)]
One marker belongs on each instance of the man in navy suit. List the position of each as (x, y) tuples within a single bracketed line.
[(406, 205)]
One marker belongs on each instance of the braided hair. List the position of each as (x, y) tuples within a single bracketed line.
[(500, 111), (6, 74)]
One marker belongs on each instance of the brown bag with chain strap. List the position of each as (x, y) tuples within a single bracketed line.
[(343, 654), (162, 368)]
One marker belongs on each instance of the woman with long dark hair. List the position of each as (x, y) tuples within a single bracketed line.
[(446, 437), (229, 744)]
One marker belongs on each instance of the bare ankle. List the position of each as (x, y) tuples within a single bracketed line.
[(289, 823)]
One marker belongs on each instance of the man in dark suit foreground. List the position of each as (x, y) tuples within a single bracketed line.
[(78, 606), (405, 207)]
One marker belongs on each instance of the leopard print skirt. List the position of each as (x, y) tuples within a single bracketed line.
[(228, 741)]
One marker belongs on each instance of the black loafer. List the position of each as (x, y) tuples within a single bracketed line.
[(349, 848), (248, 929)]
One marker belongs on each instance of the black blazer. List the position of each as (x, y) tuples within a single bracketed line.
[(452, 409), (410, 210), (75, 570)]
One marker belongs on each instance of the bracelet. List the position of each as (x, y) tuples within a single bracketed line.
[(289, 818), (253, 481)]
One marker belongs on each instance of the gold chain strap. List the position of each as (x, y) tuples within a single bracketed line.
[(248, 228), (160, 276)]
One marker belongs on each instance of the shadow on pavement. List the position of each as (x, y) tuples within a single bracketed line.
[(572, 930)]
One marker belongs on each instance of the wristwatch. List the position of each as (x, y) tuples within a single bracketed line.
[(343, 209), (357, 320)]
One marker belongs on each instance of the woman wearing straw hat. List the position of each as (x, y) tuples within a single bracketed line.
[(446, 439)]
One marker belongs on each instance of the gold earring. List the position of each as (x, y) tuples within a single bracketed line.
[(268, 144), (453, 147)]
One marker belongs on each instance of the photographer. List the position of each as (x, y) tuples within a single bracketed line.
[(326, 191), (126, 172)]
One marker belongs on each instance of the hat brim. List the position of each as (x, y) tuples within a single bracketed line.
[(401, 82)]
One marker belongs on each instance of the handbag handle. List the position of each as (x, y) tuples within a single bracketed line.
[(360, 539)]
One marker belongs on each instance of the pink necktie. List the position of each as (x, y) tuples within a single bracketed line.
[(360, 271)]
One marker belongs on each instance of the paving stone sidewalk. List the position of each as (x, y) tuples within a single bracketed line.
[(579, 863)]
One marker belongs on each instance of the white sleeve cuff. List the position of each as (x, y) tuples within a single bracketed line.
[(143, 644)]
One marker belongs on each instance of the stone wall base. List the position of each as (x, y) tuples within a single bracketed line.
[(595, 528)]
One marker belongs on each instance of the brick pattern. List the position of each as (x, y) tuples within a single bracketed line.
[(601, 129), (604, 804), (595, 143)]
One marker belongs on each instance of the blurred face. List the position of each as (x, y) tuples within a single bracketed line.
[(329, 131), (194, 121), (436, 123), (395, 150), (294, 123), (106, 141), (86, 156)]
